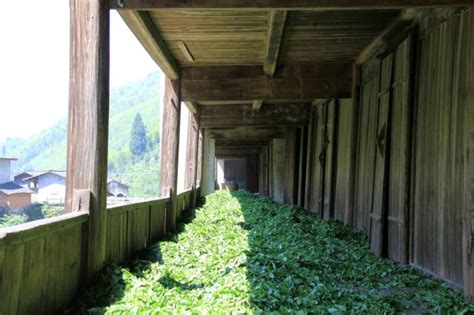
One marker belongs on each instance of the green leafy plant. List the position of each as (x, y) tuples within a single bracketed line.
[(242, 254), (12, 219)]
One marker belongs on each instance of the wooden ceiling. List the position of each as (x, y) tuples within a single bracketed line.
[(210, 38), (270, 50)]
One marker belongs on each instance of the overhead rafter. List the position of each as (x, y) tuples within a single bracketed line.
[(231, 143), (275, 34), (281, 4), (243, 115), (247, 132), (404, 21), (185, 50), (145, 30), (243, 83)]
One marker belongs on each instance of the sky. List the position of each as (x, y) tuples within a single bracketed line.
[(34, 63)]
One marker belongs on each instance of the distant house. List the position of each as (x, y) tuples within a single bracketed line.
[(5, 169), (20, 178), (50, 186), (117, 189), (13, 196)]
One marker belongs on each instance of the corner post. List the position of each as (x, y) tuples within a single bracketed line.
[(170, 148), (89, 120)]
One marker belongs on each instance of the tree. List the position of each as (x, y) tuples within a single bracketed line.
[(138, 138)]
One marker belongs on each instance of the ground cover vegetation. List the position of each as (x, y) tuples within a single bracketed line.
[(241, 254)]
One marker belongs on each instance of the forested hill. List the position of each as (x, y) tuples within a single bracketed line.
[(47, 149)]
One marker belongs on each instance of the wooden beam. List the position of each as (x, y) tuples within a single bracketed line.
[(241, 143), (404, 22), (257, 104), (281, 4), (192, 106), (275, 34), (147, 34), (196, 160), (170, 149), (236, 152), (185, 51), (247, 132), (89, 120), (243, 83), (243, 115)]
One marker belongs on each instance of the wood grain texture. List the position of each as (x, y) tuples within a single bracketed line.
[(41, 266), (366, 144), (244, 115), (170, 147), (89, 118), (342, 168), (404, 21), (279, 4), (276, 26), (378, 212), (465, 65), (247, 133), (290, 195), (250, 83), (328, 156), (439, 176), (400, 152)]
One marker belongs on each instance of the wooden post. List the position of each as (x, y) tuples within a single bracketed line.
[(208, 168), (170, 148), (196, 161), (89, 120)]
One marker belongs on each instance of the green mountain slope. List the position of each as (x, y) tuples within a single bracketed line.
[(47, 150)]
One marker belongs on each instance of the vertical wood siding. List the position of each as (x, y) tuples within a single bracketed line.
[(399, 152), (343, 157), (366, 144), (438, 194)]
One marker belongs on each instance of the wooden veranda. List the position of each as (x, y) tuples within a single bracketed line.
[(358, 110)]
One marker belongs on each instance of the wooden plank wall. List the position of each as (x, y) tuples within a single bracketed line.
[(438, 206), (366, 144), (466, 97), (413, 182), (328, 158), (400, 152), (342, 189), (316, 168)]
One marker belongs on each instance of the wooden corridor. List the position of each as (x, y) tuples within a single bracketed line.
[(358, 110)]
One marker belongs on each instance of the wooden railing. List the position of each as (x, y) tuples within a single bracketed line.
[(133, 227), (42, 263), (184, 201)]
